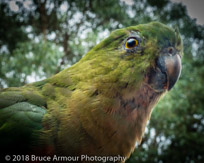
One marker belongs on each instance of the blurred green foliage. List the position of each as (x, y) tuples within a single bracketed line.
[(38, 38)]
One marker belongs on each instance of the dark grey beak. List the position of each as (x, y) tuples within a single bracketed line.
[(166, 71), (170, 64)]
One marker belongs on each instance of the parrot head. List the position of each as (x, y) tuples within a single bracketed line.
[(149, 53)]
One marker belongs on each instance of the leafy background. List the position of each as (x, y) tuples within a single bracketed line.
[(38, 38)]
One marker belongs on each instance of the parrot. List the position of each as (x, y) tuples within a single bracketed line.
[(99, 106)]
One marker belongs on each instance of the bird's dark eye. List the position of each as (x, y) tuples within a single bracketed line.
[(131, 43)]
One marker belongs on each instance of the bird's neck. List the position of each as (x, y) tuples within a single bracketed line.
[(112, 126)]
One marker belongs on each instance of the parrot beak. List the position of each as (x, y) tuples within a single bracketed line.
[(170, 64), (166, 71)]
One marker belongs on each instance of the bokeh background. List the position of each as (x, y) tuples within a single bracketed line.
[(38, 38)]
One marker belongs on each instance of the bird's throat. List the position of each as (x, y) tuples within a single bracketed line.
[(119, 126)]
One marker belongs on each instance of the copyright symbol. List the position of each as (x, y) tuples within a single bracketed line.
[(7, 158)]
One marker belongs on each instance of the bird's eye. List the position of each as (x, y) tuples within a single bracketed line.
[(131, 43)]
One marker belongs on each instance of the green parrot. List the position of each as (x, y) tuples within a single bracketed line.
[(100, 105)]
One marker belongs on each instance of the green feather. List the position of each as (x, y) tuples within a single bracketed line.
[(20, 125)]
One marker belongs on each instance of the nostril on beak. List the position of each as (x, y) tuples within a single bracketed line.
[(170, 51)]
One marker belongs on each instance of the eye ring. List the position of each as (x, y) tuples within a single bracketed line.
[(131, 43)]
